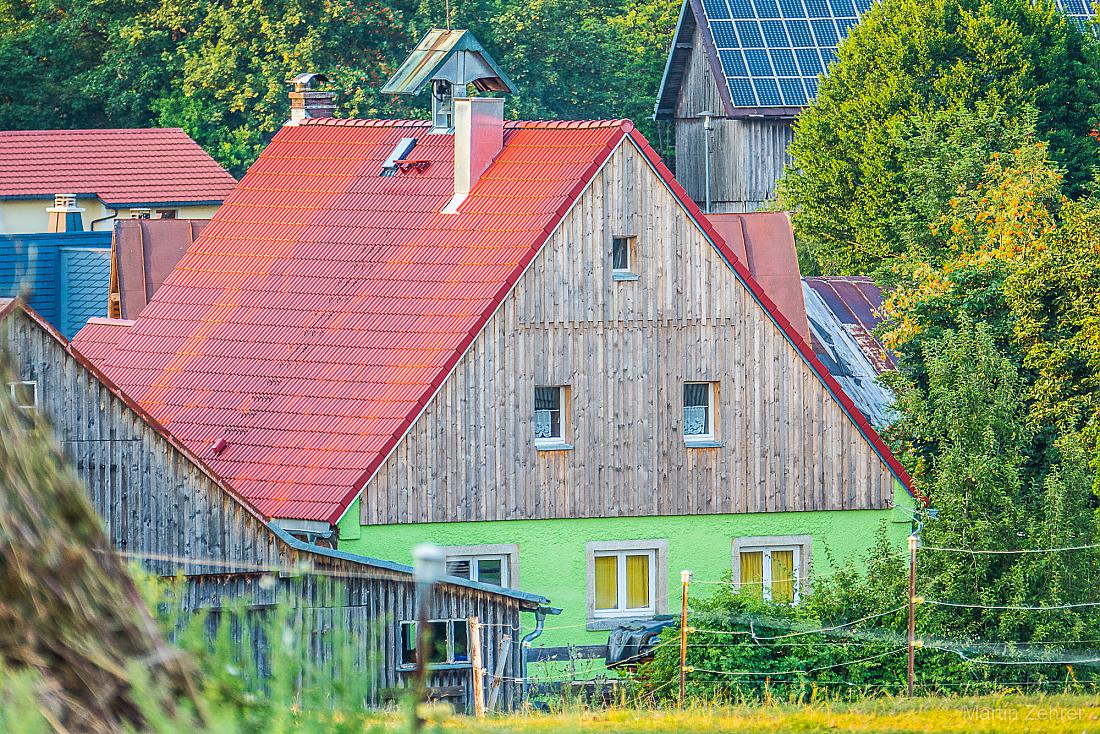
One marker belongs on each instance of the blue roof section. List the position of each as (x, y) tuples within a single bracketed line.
[(65, 277), (772, 53)]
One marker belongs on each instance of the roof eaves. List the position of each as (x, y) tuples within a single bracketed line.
[(532, 599), (665, 108), (165, 202), (846, 403)]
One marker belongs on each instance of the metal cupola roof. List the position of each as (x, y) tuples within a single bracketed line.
[(455, 56)]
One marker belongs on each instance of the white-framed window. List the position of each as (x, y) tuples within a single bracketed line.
[(625, 583), (772, 568), (550, 415), (622, 256), (626, 579), (450, 643), (488, 569), (24, 394), (699, 411)]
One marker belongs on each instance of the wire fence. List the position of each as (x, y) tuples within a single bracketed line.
[(855, 640)]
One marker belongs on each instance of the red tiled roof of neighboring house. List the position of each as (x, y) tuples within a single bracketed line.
[(319, 312), (142, 166), (764, 242), (98, 338)]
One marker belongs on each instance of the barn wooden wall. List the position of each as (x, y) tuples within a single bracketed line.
[(625, 348), (747, 155), (156, 502)]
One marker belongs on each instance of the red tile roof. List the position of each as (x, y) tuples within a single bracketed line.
[(122, 167), (324, 305), (98, 338)]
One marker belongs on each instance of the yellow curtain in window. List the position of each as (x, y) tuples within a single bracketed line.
[(637, 582), (783, 576), (607, 582), (752, 572)]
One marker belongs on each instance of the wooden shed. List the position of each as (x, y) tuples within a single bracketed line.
[(163, 506)]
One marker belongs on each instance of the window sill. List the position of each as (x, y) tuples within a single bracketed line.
[(625, 277), (604, 624), (554, 446), (702, 443)]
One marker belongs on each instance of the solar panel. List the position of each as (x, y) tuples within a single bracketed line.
[(772, 51)]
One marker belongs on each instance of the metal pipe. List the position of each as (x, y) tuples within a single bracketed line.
[(525, 643), (708, 126)]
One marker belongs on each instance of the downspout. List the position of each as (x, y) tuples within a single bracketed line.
[(525, 643), (112, 215)]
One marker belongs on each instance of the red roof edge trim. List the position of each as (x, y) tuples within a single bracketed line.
[(131, 404), (796, 340), (498, 299)]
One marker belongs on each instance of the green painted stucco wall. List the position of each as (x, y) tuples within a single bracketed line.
[(552, 552)]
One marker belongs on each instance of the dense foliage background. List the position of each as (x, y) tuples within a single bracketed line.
[(218, 68), (952, 154)]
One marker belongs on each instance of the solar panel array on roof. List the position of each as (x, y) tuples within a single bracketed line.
[(773, 51)]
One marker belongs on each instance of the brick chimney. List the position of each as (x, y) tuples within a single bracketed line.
[(65, 215), (306, 102), (479, 138)]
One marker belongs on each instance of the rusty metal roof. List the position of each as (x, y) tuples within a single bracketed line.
[(843, 313), (455, 55), (144, 253)]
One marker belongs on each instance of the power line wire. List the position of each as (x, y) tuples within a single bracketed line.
[(991, 551), (801, 672), (1011, 608)]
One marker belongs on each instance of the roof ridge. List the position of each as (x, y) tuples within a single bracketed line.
[(93, 131), (623, 123)]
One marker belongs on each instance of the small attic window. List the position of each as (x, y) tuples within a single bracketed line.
[(400, 152)]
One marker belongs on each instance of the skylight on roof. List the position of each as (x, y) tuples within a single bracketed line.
[(399, 153)]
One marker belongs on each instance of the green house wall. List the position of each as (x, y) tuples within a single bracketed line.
[(552, 552)]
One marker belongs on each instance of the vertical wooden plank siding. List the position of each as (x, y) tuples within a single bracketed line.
[(624, 350), (747, 155)]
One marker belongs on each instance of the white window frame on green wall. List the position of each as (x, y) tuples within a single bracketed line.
[(656, 551), (799, 545), (506, 553)]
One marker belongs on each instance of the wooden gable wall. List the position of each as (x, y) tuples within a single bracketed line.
[(625, 348), (747, 155)]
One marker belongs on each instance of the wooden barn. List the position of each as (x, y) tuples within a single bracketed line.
[(164, 506), (738, 74)]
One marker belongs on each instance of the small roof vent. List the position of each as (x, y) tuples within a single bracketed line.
[(449, 60)]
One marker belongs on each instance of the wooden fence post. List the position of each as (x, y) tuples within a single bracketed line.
[(504, 653), (478, 667), (685, 579)]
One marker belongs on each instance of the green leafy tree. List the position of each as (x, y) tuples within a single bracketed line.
[(50, 52), (905, 75), (224, 65)]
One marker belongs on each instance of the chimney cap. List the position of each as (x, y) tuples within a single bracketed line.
[(304, 82)]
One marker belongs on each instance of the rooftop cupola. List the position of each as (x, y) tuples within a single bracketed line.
[(450, 61)]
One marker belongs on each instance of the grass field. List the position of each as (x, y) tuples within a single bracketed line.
[(987, 715)]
